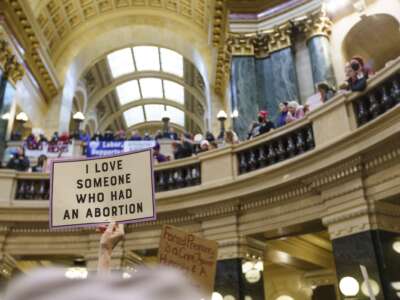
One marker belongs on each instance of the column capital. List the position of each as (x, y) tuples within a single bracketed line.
[(279, 37), (8, 61), (242, 44), (317, 24)]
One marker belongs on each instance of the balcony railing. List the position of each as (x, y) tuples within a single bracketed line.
[(32, 189), (277, 149), (378, 100), (336, 121), (165, 180), (177, 178)]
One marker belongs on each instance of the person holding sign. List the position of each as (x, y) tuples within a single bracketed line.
[(145, 284), (91, 191)]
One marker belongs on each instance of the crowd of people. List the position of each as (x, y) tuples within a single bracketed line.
[(186, 144), (357, 74)]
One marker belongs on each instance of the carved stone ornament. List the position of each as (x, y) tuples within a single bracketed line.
[(316, 24), (9, 63)]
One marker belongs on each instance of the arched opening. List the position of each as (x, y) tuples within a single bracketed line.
[(376, 38)]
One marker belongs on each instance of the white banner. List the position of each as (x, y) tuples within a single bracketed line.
[(96, 190), (57, 150)]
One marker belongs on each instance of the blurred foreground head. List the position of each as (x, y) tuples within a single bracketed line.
[(145, 284)]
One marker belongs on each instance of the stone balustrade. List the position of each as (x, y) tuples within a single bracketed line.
[(378, 99), (324, 128)]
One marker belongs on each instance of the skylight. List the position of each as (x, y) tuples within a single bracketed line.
[(171, 62), (174, 91), (151, 88), (176, 115), (134, 116), (154, 112), (128, 92), (121, 62), (147, 58)]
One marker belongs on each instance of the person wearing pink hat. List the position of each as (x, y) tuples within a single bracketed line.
[(263, 125)]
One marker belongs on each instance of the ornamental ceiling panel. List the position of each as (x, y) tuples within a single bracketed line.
[(58, 18)]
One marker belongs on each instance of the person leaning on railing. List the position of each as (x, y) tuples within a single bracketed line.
[(357, 74), (160, 283), (19, 161)]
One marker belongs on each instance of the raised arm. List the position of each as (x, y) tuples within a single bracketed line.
[(109, 239)]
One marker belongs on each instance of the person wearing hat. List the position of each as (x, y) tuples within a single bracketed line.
[(263, 125)]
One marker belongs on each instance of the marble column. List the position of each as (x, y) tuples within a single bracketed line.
[(6, 95), (374, 250), (321, 60), (244, 93), (230, 281), (265, 86)]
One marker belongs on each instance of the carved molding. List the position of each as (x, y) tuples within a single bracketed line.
[(219, 37), (8, 61), (32, 47), (317, 24), (280, 37), (261, 44), (242, 44)]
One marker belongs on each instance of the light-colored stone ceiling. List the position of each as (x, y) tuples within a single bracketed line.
[(58, 18)]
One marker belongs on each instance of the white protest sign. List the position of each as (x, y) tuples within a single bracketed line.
[(96, 190)]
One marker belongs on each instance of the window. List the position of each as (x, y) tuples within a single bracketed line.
[(134, 116), (121, 62), (171, 62), (128, 92), (176, 115), (151, 88), (174, 91), (154, 112), (147, 58)]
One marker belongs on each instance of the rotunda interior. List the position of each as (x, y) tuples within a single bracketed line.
[(274, 132)]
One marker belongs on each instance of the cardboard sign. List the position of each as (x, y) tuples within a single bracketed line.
[(194, 255), (93, 191)]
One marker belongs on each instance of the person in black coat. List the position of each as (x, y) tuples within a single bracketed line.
[(19, 161)]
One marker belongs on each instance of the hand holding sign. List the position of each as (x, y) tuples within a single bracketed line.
[(111, 236)]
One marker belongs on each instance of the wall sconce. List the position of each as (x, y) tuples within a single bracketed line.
[(222, 116), (78, 116), (22, 117), (349, 286), (252, 270), (235, 114), (6, 116), (165, 119), (396, 246), (76, 273)]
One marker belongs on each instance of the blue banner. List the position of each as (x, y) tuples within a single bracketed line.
[(113, 148)]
